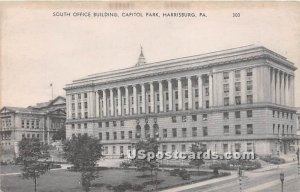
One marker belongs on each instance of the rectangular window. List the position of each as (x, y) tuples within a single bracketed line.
[(186, 106), (27, 124), (73, 126), (249, 129), (165, 133), (183, 118), (225, 147), (237, 74), (249, 99), (164, 148), (176, 107), (122, 135), (238, 129), (85, 105), (174, 119), (249, 85), (196, 93), (79, 96), (226, 88), (194, 131), (226, 101), (140, 99), (194, 117), (157, 97), (205, 133), (176, 94), (225, 115), (122, 123), (173, 148), (183, 132), (186, 94), (167, 96), (73, 97), (237, 86), (73, 106), (114, 123), (22, 123), (206, 91), (107, 124), (226, 129), (78, 126), (183, 148), (100, 124), (274, 128), (207, 104), (130, 134), (85, 115), (106, 149), (237, 114), (167, 108), (149, 98), (85, 125), (204, 117), (238, 100), (249, 113), (85, 95), (249, 147), (79, 105), (174, 132), (197, 105), (225, 75), (115, 135), (114, 149), (274, 113), (237, 147), (249, 72), (100, 136)]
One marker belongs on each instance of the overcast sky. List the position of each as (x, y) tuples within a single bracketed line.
[(39, 49)]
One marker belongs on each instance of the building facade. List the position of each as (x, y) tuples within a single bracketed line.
[(239, 99), (39, 121)]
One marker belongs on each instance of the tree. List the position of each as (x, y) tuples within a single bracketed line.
[(150, 145), (30, 155), (83, 152), (60, 134), (197, 162)]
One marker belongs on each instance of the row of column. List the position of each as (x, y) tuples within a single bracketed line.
[(134, 105), (282, 87)]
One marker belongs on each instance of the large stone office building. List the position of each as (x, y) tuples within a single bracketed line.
[(238, 99)]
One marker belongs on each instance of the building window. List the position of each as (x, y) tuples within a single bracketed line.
[(205, 133), (27, 124), (165, 133), (22, 123), (225, 75), (122, 123), (115, 135), (226, 101), (174, 119), (207, 104), (174, 132), (85, 115), (249, 85), (85, 125), (226, 129), (249, 72), (79, 96), (106, 149), (274, 128), (167, 96), (225, 115), (194, 117), (183, 118), (249, 113), (73, 126), (173, 148), (157, 97), (225, 147), (249, 129), (274, 113), (79, 105), (194, 131), (114, 123), (226, 88), (237, 129), (237, 86), (238, 100), (237, 74), (237, 114), (186, 94), (149, 98), (164, 148), (176, 94), (85, 105), (130, 134), (204, 117), (249, 99), (183, 148), (249, 147), (183, 132), (196, 93), (79, 126), (73, 106), (197, 105), (107, 124), (206, 91), (122, 135), (73, 97), (85, 95), (237, 147), (114, 149), (100, 136), (167, 108), (186, 105), (32, 124)]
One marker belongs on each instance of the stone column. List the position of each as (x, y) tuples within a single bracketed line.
[(273, 86), (277, 87), (134, 100), (190, 93), (231, 87), (286, 91), (127, 100), (200, 91), (281, 88), (210, 90), (143, 98), (119, 102), (161, 97), (292, 91), (243, 87), (111, 94), (152, 97), (104, 103), (170, 92), (179, 94), (97, 104)]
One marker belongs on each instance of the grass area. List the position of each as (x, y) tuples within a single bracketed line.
[(66, 181), (10, 169)]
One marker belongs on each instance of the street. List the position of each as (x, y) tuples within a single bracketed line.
[(254, 181)]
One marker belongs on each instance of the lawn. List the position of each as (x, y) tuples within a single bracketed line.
[(67, 181)]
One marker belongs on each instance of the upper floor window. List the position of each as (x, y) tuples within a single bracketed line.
[(237, 114), (238, 86), (205, 133), (183, 118), (99, 124), (114, 123), (174, 132), (73, 97), (107, 124), (206, 91), (122, 123), (183, 132), (176, 94), (226, 129), (238, 100), (249, 129), (249, 113), (249, 99), (174, 119), (226, 88), (194, 131), (249, 72), (196, 92), (165, 133), (226, 101), (225, 115), (194, 117), (237, 74), (204, 117), (237, 129), (249, 85), (85, 95), (186, 94), (85, 125), (79, 96), (225, 75)]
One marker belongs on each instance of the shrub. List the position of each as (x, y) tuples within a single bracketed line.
[(125, 164), (137, 187), (234, 164), (122, 187), (272, 159), (216, 171)]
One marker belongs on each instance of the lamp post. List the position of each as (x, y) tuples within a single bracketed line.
[(281, 179)]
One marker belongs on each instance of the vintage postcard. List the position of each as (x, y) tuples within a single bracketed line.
[(149, 96)]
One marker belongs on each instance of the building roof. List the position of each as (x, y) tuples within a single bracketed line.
[(184, 63)]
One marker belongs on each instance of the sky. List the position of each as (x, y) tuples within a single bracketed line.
[(38, 49)]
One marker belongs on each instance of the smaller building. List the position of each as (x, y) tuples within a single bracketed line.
[(40, 121)]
